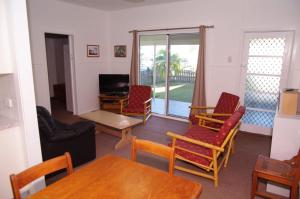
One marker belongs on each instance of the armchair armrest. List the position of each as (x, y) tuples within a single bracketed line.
[(201, 107), (215, 114), (147, 106), (193, 141), (123, 103), (147, 101), (209, 119)]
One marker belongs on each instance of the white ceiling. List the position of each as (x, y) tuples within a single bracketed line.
[(117, 4)]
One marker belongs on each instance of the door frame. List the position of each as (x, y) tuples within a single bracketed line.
[(72, 66)]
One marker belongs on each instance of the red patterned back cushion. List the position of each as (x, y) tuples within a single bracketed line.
[(230, 123), (138, 95), (226, 104)]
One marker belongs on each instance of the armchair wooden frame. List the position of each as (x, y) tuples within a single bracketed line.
[(217, 161), (147, 109), (195, 109), (153, 148), (23, 178)]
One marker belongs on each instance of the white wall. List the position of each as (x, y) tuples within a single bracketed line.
[(12, 157), (88, 26), (19, 145), (230, 19)]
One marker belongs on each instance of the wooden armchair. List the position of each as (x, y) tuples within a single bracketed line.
[(206, 148), (226, 105), (138, 102)]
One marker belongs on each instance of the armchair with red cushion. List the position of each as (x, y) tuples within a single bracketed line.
[(205, 148), (226, 105), (138, 102)]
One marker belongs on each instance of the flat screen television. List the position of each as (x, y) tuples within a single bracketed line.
[(114, 84)]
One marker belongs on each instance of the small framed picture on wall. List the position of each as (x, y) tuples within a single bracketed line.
[(93, 51), (120, 51)]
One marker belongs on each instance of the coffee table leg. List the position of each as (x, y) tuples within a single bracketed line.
[(126, 138)]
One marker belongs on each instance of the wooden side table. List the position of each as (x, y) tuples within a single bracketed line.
[(282, 172)]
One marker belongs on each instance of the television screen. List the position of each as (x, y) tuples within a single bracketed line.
[(114, 84)]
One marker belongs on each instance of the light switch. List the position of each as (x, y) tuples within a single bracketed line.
[(229, 59)]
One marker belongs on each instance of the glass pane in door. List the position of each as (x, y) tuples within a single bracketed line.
[(264, 68), (153, 68), (183, 63)]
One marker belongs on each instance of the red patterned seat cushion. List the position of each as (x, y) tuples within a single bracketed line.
[(200, 133), (226, 104), (195, 148)]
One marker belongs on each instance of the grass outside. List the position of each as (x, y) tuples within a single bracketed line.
[(178, 91)]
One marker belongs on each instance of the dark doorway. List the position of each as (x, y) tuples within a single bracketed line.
[(59, 75)]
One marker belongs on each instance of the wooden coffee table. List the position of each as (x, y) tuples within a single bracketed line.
[(112, 123)]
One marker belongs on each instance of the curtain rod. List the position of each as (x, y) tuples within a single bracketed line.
[(170, 29)]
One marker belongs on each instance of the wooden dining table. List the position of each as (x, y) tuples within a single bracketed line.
[(115, 177)]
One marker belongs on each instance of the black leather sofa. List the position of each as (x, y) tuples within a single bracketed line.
[(57, 138)]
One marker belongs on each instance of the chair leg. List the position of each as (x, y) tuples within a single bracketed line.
[(231, 143), (144, 119), (233, 147), (215, 170), (294, 191), (254, 185)]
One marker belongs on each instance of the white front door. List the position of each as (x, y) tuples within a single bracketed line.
[(265, 67)]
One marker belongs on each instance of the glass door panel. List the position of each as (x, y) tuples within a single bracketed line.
[(153, 68), (183, 56), (264, 72)]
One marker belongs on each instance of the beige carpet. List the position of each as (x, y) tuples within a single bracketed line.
[(234, 181)]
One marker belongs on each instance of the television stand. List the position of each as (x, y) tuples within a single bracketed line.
[(111, 102)]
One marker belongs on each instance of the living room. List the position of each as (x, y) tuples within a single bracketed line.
[(108, 28)]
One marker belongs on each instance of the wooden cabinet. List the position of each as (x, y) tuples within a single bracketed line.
[(110, 103)]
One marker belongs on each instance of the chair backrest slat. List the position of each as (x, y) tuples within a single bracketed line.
[(23, 178)]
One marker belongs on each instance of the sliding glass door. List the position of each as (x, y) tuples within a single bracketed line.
[(168, 63), (153, 69)]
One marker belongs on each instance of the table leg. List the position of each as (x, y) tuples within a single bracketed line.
[(126, 138)]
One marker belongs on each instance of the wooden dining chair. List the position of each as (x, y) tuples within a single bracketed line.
[(153, 148), (23, 178), (283, 172)]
